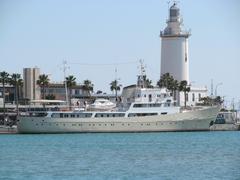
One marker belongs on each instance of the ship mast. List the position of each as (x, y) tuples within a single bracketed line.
[(141, 80), (65, 67)]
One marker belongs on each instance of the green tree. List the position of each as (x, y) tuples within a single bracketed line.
[(147, 82), (166, 81), (17, 82), (43, 82), (174, 88), (50, 97), (71, 82), (88, 86), (183, 86), (115, 86), (209, 101), (4, 78)]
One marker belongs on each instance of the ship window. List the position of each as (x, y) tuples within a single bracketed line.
[(193, 97), (61, 115), (167, 104), (72, 115), (141, 114), (163, 113), (65, 115), (147, 105)]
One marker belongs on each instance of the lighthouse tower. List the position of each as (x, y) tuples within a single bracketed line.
[(174, 52)]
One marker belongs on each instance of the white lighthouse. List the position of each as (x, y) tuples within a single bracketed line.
[(174, 53)]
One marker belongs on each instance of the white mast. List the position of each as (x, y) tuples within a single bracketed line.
[(65, 67)]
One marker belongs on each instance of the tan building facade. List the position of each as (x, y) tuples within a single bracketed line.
[(31, 90)]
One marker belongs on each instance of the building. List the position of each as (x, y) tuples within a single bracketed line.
[(59, 92), (174, 57), (194, 96), (31, 90), (174, 47)]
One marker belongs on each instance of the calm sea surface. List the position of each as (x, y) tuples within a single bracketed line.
[(190, 155)]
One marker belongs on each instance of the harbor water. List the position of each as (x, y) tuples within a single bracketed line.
[(173, 155)]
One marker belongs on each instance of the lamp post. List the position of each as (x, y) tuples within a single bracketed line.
[(219, 84)]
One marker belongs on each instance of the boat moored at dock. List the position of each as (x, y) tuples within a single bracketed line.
[(140, 117)]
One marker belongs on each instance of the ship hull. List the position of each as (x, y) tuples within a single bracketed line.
[(188, 121)]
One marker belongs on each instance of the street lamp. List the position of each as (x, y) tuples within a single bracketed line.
[(219, 84)]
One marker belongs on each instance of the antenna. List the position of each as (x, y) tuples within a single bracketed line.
[(64, 68), (168, 2), (141, 81), (211, 87)]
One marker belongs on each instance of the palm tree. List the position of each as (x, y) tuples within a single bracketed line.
[(50, 97), (88, 86), (183, 86), (4, 78), (17, 82), (71, 82), (174, 88), (43, 82), (114, 86), (166, 81), (147, 82)]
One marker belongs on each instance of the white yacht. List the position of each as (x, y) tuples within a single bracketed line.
[(140, 117), (102, 104), (139, 110)]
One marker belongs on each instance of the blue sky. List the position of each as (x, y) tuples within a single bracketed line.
[(94, 35)]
